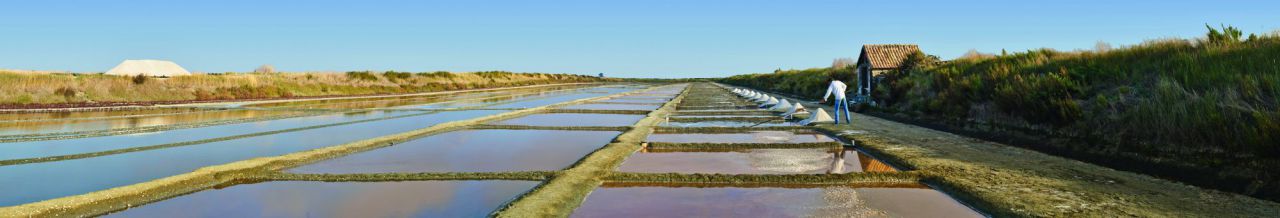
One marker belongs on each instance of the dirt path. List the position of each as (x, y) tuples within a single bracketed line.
[(1010, 181)]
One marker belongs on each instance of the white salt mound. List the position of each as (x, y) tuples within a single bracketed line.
[(149, 68), (771, 101), (797, 109), (819, 116), (782, 106)]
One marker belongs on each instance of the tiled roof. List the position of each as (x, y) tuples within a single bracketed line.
[(886, 56)]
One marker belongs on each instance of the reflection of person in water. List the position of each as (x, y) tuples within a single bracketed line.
[(837, 163)]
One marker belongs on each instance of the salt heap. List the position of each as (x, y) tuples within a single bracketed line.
[(771, 101), (797, 109), (148, 68), (819, 116), (781, 106)]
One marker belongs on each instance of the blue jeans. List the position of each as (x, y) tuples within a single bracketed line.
[(843, 105)]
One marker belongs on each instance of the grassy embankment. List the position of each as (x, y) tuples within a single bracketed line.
[(1205, 112), (27, 89), (1005, 181)]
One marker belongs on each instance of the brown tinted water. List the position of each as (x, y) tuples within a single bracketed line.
[(754, 161), (325, 199), (832, 201), (573, 119), (473, 151), (747, 137), (614, 106)]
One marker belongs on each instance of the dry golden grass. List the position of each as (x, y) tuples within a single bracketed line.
[(23, 87)]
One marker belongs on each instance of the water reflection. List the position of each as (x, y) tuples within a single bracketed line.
[(613, 106), (574, 119), (105, 123), (826, 201), (753, 161), (323, 199), (472, 151), (40, 181), (729, 123), (747, 137)]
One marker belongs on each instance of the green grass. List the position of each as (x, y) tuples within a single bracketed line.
[(1205, 113), (1005, 181)]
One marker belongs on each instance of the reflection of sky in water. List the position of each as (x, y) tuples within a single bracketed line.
[(749, 137), (727, 124), (40, 181), (76, 125), (753, 161), (472, 151), (15, 150), (574, 119), (835, 201), (320, 199), (613, 106)]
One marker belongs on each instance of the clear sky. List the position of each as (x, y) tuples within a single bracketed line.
[(681, 38)]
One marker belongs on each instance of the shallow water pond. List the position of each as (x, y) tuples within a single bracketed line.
[(636, 100), (544, 101), (754, 161), (574, 119), (726, 116), (729, 124), (340, 199), (835, 201), (614, 106), (92, 114), (105, 123), (41, 181), (472, 151), (746, 137)]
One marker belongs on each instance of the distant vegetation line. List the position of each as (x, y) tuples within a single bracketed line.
[(34, 90), (1203, 111)]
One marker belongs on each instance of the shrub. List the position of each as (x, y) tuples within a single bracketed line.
[(66, 92), (140, 79), (362, 75), (437, 74), (393, 75)]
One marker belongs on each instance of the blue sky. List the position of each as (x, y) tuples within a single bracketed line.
[(625, 39)]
